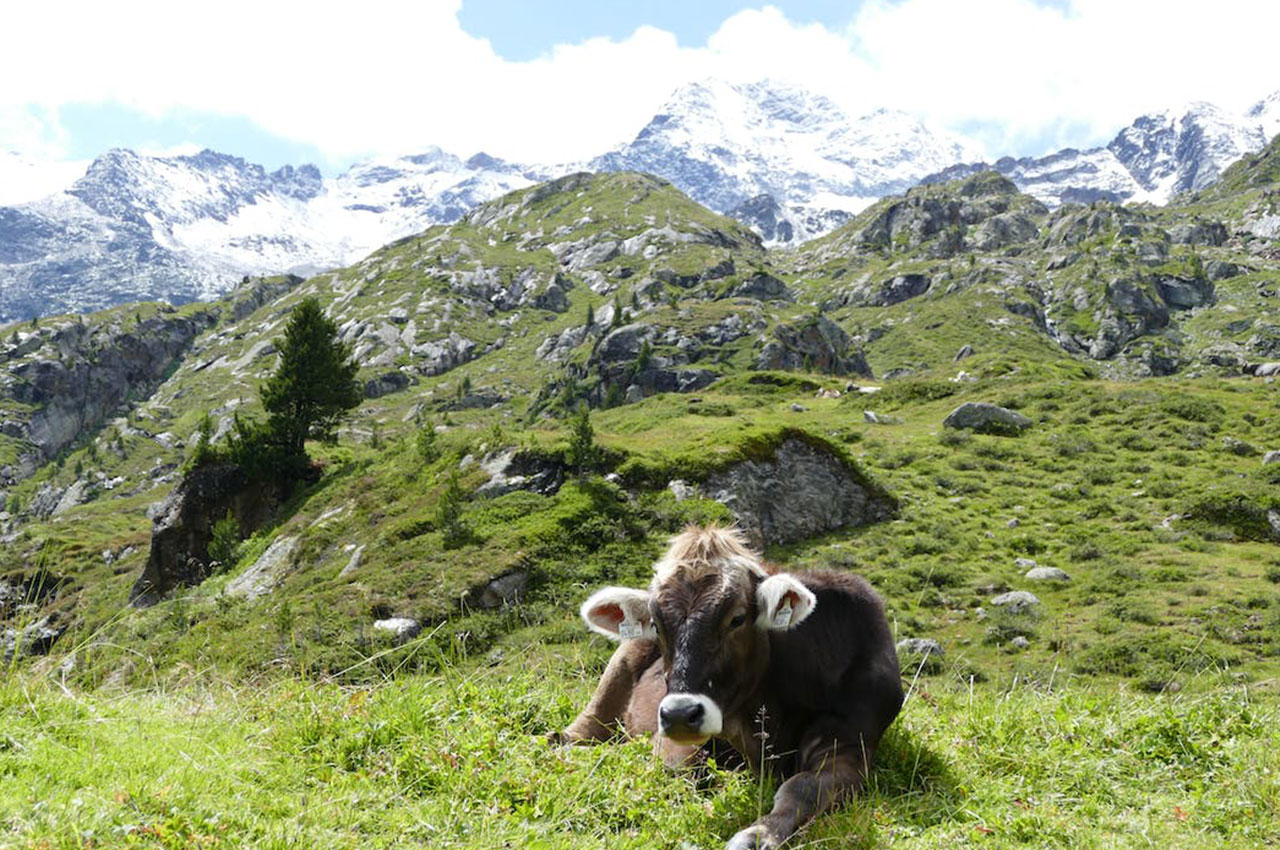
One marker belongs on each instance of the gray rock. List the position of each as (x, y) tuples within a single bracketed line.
[(76, 494), (797, 407), (1183, 294), (501, 592), (817, 344), (1016, 601), (900, 288), (798, 492), (1216, 270), (265, 573), (1047, 574), (1198, 233), (353, 563), (182, 526), (1271, 457), (511, 470), (33, 639), (1020, 642), (762, 287), (965, 351), (1025, 563), (682, 490), (920, 646), (623, 344), (986, 418), (401, 628), (385, 384), (439, 356)]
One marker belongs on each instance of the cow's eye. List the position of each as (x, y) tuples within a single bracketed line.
[(737, 621)]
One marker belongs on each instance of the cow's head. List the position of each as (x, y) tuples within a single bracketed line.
[(710, 607)]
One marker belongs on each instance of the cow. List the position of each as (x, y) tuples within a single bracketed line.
[(795, 672)]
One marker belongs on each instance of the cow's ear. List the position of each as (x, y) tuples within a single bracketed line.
[(783, 602), (619, 613)]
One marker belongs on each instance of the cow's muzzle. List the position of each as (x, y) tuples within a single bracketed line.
[(689, 718)]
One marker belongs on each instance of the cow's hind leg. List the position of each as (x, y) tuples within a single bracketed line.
[(600, 719), (830, 772)]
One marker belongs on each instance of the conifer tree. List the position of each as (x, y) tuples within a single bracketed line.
[(314, 386)]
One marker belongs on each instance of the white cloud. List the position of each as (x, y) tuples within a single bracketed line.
[(395, 77)]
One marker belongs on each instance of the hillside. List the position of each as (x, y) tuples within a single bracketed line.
[(801, 393)]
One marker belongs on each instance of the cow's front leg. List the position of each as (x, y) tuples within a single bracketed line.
[(599, 720), (830, 775)]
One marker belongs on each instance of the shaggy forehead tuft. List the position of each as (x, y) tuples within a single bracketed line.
[(696, 553)]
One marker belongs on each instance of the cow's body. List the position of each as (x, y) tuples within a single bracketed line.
[(797, 673)]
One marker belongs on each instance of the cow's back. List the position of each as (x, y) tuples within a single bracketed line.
[(838, 667)]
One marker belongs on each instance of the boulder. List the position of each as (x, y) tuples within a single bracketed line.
[(623, 344), (920, 646), (501, 592), (1183, 294), (762, 287), (1271, 457), (401, 628), (1047, 574), (267, 572), (986, 418), (797, 491), (511, 469), (1016, 601), (816, 344), (900, 288), (182, 526), (385, 384)]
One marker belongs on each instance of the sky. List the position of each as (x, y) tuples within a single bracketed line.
[(547, 82)]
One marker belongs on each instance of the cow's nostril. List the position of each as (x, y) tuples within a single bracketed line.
[(695, 714)]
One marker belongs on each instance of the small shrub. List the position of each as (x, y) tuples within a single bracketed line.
[(224, 545), (454, 531)]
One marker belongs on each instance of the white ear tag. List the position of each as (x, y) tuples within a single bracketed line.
[(783, 617), (628, 629)]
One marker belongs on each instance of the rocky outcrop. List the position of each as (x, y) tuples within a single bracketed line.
[(439, 356), (986, 418), (761, 286), (83, 373), (797, 491), (817, 344), (183, 526), (386, 383), (511, 469), (266, 573)]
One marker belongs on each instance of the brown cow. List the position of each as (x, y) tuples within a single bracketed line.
[(797, 672)]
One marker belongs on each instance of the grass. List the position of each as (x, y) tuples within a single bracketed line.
[(457, 760)]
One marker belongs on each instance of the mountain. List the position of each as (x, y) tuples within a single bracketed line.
[(183, 228), (781, 160), (1153, 159), (733, 146)]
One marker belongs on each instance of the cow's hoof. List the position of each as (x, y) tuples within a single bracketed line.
[(752, 838)]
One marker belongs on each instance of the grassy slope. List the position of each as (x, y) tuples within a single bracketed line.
[(456, 761)]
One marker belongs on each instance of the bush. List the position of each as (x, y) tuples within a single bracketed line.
[(224, 544), (454, 531)]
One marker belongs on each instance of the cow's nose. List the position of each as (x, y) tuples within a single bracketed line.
[(684, 713)]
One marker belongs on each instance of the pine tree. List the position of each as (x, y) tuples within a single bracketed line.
[(314, 386), (583, 453), (453, 529)]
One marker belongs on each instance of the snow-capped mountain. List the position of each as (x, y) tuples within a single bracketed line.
[(1156, 157), (782, 160), (735, 146), (181, 228)]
